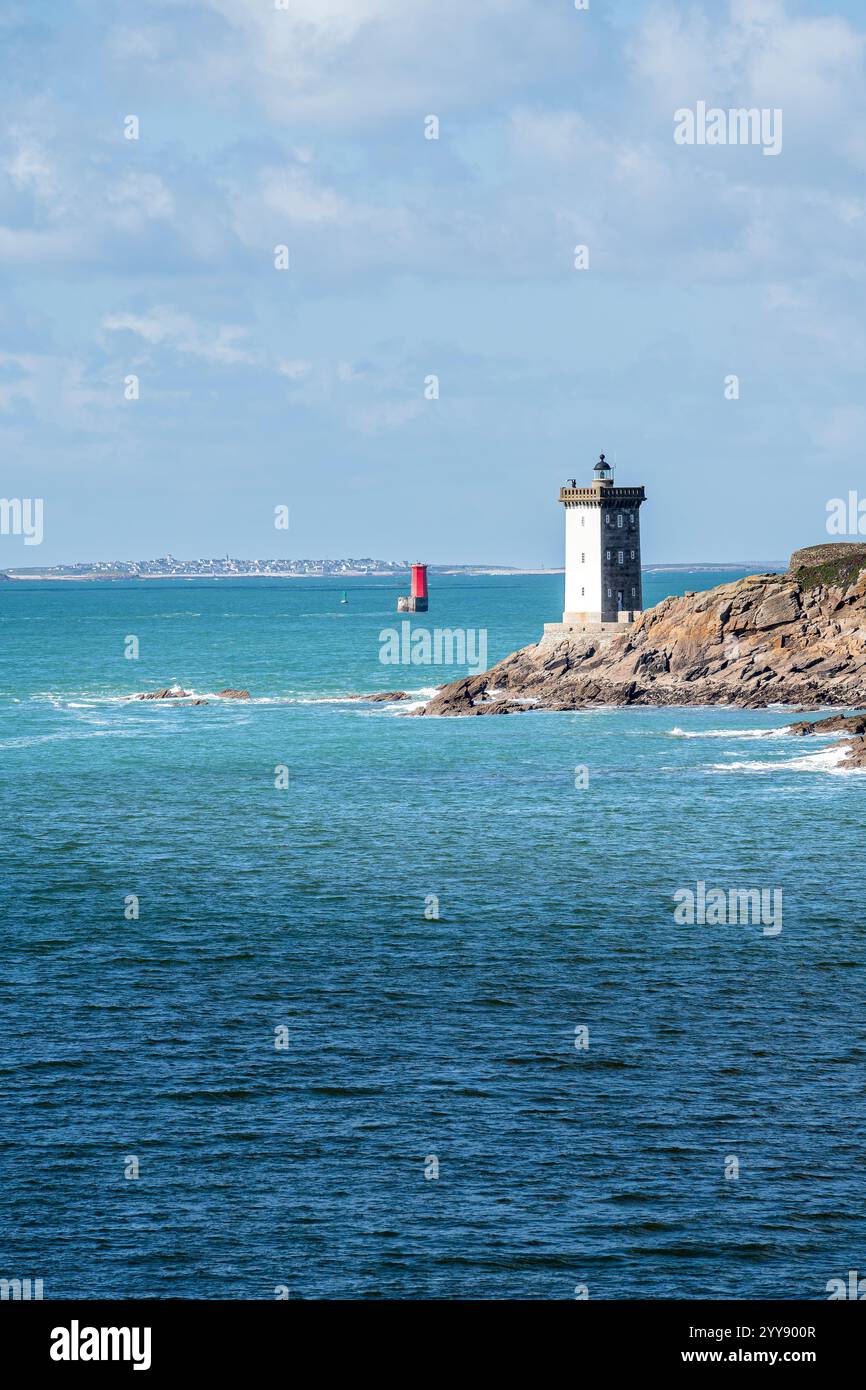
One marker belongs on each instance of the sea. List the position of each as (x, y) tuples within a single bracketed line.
[(305, 998)]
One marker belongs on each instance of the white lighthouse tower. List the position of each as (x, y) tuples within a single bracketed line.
[(602, 550)]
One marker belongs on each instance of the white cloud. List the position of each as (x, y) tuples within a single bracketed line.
[(539, 166), (755, 53), (292, 193), (355, 62), (33, 170), (295, 370), (30, 168), (23, 246), (165, 327), (140, 196), (138, 45), (59, 389)]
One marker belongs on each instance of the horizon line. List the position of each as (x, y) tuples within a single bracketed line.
[(532, 567)]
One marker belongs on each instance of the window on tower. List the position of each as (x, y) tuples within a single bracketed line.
[(620, 556), (583, 557), (607, 554), (607, 517), (609, 593), (632, 554), (619, 518), (633, 591), (631, 519)]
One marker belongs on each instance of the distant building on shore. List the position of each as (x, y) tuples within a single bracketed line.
[(602, 550)]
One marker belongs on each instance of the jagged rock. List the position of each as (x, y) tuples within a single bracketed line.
[(778, 609), (855, 751), (499, 707), (652, 663), (386, 695), (166, 693), (764, 639), (833, 724), (175, 693), (856, 755)]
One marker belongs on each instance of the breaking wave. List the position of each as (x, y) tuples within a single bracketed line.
[(827, 760), (728, 733)]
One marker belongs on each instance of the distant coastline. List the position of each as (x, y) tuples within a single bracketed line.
[(328, 569), (722, 566), (23, 576)]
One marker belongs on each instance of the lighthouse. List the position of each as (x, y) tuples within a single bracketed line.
[(417, 601), (602, 550)]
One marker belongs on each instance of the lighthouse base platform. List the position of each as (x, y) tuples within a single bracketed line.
[(407, 603), (591, 624)]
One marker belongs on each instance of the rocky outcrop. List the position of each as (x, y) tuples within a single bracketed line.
[(856, 755), (855, 751), (833, 724), (166, 693), (175, 692), (834, 564), (790, 638), (382, 696)]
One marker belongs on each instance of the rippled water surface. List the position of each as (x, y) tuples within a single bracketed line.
[(408, 1037)]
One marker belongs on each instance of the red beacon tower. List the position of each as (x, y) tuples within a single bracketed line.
[(417, 600)]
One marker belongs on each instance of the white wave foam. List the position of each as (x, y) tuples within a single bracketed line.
[(30, 740), (727, 733), (426, 693), (84, 700), (317, 700), (827, 760)]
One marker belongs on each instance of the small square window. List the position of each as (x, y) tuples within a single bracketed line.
[(632, 554), (607, 517), (608, 593), (607, 554)]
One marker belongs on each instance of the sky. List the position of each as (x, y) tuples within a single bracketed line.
[(303, 124)]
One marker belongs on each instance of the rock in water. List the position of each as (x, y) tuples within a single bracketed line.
[(793, 638), (855, 751), (175, 693), (385, 695), (167, 693), (834, 724), (856, 755)]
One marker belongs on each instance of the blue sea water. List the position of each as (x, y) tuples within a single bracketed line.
[(409, 1037)]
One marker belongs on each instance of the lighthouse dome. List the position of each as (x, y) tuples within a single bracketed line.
[(603, 469)]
